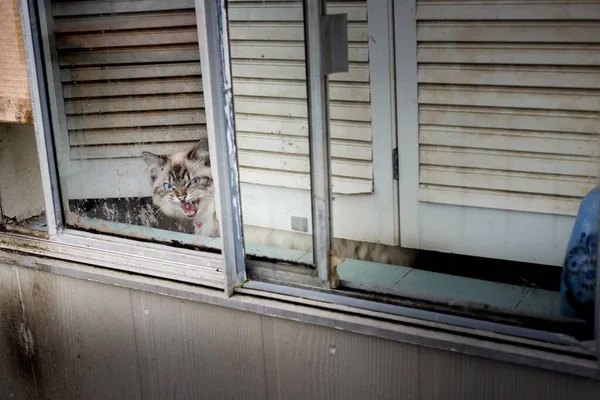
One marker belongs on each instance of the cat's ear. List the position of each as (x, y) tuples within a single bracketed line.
[(200, 152), (153, 160), (155, 163)]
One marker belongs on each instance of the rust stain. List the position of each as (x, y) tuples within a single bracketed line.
[(19, 32), (16, 110)]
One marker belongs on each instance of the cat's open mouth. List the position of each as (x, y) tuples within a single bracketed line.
[(189, 208)]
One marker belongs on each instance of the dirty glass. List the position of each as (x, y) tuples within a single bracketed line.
[(268, 64), (491, 203), (131, 136), (21, 195)]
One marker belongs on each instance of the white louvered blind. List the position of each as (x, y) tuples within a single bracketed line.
[(131, 78), (509, 94), (269, 83), (131, 81)]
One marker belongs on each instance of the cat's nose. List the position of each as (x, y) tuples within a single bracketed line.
[(181, 198)]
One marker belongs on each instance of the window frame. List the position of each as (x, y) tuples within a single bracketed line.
[(227, 273)]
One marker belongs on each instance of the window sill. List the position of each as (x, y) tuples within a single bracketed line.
[(115, 268), (114, 253)]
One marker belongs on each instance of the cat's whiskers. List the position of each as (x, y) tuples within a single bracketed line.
[(159, 210)]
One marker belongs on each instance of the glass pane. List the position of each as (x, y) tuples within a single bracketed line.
[(21, 196), (131, 137), (495, 203), (270, 100)]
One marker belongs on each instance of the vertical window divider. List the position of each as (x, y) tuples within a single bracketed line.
[(318, 136), (215, 61), (32, 43)]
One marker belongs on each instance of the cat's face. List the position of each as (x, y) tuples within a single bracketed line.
[(182, 182)]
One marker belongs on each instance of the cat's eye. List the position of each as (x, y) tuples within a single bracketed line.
[(199, 181), (168, 186)]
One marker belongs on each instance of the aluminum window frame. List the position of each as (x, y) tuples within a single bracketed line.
[(227, 273), (134, 256)]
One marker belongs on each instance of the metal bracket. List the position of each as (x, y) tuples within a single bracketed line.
[(334, 31)]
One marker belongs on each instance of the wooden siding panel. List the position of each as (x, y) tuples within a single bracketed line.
[(15, 104)]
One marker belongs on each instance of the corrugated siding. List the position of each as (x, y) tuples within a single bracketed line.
[(508, 103), (132, 81)]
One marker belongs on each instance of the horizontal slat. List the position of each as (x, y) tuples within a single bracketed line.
[(508, 161), (584, 78), (143, 55), (133, 88), (298, 163), (290, 31), (507, 10), (127, 150), (296, 108), (145, 103), (297, 89), (130, 72), (499, 139), (505, 118), (513, 53), (293, 70), (556, 185), (339, 185), (127, 39), (291, 11), (500, 200), (531, 32), (298, 145), (127, 120), (107, 23), (357, 52), (136, 136), (489, 96), (299, 127), (117, 6)]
